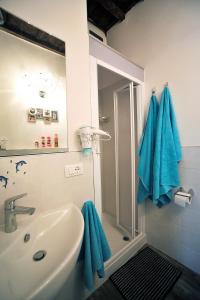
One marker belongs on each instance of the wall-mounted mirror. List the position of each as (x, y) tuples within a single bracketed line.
[(33, 112)]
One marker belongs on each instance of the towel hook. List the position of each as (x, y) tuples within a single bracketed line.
[(167, 84), (153, 91)]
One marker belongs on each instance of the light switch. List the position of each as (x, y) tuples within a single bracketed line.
[(74, 170)]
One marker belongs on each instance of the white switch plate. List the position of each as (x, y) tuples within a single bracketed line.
[(74, 170)]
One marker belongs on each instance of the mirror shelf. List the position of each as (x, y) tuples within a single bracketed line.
[(24, 152)]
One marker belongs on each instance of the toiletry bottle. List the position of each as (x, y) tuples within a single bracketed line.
[(56, 140), (36, 144), (43, 142), (49, 141)]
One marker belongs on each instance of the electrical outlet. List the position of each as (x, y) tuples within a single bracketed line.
[(73, 170)]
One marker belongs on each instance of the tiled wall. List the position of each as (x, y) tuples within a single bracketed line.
[(43, 179), (176, 230)]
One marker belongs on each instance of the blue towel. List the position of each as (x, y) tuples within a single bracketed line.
[(146, 153), (95, 249), (167, 152)]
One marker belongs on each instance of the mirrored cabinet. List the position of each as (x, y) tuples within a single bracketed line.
[(33, 114)]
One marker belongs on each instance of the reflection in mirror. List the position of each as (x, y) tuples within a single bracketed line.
[(33, 96)]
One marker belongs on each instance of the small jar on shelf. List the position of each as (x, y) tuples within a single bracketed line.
[(56, 140), (49, 142)]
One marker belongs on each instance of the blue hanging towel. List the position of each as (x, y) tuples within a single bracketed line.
[(146, 153), (95, 248), (167, 152)]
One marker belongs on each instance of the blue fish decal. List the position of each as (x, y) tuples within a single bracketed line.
[(19, 164), (4, 180)]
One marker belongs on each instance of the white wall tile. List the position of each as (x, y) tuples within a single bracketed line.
[(173, 229)]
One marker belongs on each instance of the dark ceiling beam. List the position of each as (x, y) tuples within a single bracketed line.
[(12, 24), (134, 3), (112, 8), (97, 25)]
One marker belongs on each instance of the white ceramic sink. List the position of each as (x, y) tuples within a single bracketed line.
[(59, 233)]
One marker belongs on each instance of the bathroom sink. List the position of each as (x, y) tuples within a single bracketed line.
[(58, 235)]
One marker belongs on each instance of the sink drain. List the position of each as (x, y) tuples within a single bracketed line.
[(39, 255), (126, 238)]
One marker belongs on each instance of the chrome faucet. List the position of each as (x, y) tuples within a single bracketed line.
[(11, 211)]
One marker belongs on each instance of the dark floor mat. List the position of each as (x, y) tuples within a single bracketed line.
[(146, 276)]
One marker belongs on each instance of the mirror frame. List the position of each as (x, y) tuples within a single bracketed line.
[(18, 27)]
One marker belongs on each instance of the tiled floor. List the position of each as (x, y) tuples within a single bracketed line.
[(187, 286), (113, 234)]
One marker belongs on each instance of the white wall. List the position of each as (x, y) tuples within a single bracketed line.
[(67, 20), (173, 229), (163, 37), (44, 180)]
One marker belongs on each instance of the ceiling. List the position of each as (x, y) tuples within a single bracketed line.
[(106, 13)]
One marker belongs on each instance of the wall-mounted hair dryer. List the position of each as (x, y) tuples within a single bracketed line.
[(89, 135)]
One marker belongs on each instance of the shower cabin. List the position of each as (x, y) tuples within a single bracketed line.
[(116, 100)]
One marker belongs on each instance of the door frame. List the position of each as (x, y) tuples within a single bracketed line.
[(94, 63), (133, 165)]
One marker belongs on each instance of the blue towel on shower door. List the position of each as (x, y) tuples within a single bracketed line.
[(146, 153), (95, 248), (167, 152)]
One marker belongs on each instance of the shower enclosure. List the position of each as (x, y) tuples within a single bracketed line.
[(116, 108)]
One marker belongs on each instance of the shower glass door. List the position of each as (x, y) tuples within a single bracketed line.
[(125, 138)]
